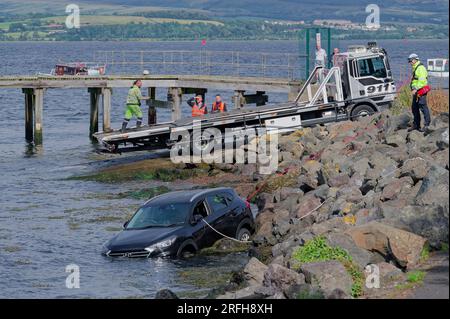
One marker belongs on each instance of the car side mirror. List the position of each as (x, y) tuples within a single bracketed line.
[(196, 219), (125, 224)]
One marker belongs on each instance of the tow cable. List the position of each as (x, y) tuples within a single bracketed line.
[(253, 194), (225, 236)]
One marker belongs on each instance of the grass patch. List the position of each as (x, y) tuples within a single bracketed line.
[(437, 100), (416, 276), (318, 249), (278, 181), (118, 19), (425, 254), (444, 247), (145, 193), (402, 101), (413, 279), (154, 169), (225, 247)]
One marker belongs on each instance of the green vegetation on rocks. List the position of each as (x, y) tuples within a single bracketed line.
[(155, 169), (318, 249)]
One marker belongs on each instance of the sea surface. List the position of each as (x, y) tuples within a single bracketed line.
[(48, 221)]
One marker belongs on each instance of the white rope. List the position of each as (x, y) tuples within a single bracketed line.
[(312, 211), (404, 163), (249, 241), (231, 238)]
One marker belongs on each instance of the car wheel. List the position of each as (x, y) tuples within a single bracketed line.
[(186, 250), (243, 234), (362, 110)]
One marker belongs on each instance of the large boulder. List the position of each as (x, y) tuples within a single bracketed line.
[(339, 180), (279, 278), (360, 256), (435, 187), (430, 222), (254, 272), (306, 206), (404, 246), (304, 291), (417, 168), (361, 166), (328, 276)]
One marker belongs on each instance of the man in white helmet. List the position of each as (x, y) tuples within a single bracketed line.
[(419, 89)]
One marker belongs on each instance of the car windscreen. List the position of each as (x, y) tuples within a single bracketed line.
[(159, 215)]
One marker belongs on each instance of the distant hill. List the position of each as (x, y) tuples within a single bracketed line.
[(424, 11), (399, 11)]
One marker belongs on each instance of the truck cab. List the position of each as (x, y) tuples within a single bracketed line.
[(367, 76), (359, 83)]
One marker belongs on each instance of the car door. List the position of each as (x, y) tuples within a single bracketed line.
[(201, 233), (221, 213)]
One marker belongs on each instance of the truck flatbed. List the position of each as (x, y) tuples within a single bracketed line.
[(245, 117)]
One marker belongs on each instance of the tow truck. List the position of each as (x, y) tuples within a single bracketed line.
[(359, 83)]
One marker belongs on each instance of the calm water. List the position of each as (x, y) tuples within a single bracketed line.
[(47, 222)]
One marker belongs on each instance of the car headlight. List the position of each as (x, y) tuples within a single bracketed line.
[(161, 245), (105, 248)]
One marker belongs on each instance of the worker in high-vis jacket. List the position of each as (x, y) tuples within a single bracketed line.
[(133, 107), (198, 106), (218, 105), (419, 89)]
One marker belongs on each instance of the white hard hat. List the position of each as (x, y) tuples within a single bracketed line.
[(145, 72), (413, 56)]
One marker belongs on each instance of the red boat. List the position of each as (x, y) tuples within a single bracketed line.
[(78, 68)]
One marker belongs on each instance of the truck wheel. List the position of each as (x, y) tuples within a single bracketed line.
[(362, 110), (243, 234)]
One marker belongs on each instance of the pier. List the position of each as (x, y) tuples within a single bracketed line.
[(247, 90)]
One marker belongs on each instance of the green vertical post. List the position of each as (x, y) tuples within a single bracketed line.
[(307, 53), (329, 47)]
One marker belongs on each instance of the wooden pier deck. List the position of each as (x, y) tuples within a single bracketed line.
[(101, 88)]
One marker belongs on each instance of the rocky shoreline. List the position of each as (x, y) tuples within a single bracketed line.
[(353, 205), (356, 200)]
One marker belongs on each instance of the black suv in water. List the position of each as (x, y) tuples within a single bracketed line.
[(172, 224)]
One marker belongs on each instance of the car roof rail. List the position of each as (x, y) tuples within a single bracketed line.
[(209, 190)]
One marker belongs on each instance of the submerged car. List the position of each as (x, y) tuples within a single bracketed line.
[(176, 224)]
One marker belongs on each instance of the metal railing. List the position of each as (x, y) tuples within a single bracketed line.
[(202, 62)]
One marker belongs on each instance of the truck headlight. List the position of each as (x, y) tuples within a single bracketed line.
[(161, 245)]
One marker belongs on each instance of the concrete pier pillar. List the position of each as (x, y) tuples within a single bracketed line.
[(29, 118), (107, 92), (175, 96), (38, 115), (261, 98), (151, 107), (94, 101), (238, 99)]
